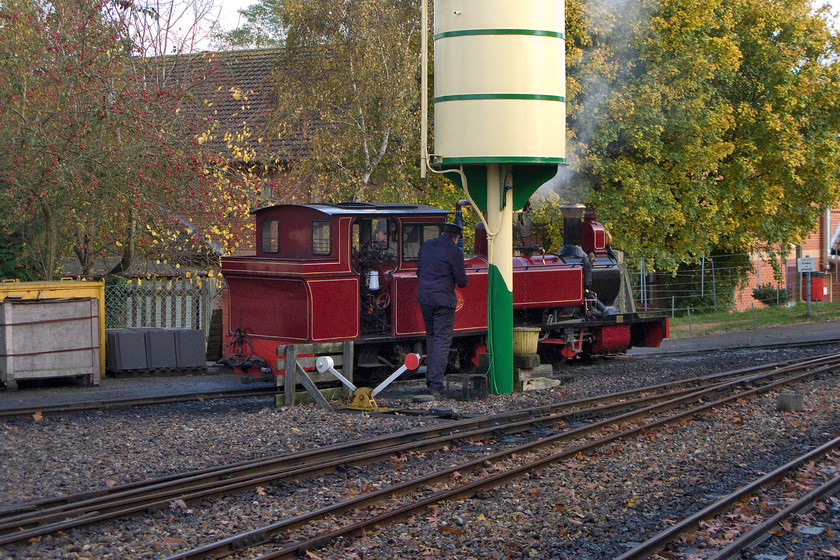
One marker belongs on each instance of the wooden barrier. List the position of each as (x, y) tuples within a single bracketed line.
[(299, 359)]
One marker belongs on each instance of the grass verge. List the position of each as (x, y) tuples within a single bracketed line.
[(707, 323)]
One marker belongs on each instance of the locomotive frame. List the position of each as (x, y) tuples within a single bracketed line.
[(347, 272)]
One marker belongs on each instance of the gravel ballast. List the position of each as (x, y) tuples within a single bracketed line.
[(594, 509)]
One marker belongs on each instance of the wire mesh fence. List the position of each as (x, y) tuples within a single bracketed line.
[(184, 303), (735, 282)]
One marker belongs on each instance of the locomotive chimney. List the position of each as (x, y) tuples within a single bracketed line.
[(572, 214)]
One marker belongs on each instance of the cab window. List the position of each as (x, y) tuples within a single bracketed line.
[(414, 235), (321, 237), (270, 235), (378, 235)]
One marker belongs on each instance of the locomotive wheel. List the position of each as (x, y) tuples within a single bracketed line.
[(551, 354)]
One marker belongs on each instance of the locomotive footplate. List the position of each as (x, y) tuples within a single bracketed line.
[(606, 320), (606, 334)]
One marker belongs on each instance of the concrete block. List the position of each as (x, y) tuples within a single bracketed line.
[(189, 348), (160, 348), (126, 350), (537, 384), (542, 370), (526, 361), (790, 401)]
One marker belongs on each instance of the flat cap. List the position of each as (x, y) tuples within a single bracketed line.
[(452, 230)]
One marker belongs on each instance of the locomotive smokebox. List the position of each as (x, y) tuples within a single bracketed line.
[(585, 242), (572, 215)]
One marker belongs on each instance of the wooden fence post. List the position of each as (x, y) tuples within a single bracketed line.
[(291, 373)]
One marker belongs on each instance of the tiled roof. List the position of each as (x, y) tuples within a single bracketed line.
[(140, 268), (237, 89)]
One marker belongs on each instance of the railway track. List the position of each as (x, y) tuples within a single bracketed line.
[(113, 404), (30, 520), (616, 429), (67, 408), (768, 346), (732, 501)]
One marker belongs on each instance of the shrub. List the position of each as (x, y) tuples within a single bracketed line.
[(769, 294)]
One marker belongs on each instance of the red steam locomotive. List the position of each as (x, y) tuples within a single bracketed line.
[(338, 272)]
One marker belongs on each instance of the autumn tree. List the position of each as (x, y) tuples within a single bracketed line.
[(261, 28), (96, 155), (164, 27), (703, 125), (349, 84)]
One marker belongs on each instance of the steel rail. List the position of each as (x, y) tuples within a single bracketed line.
[(30, 524), (51, 410), (390, 440), (660, 540), (264, 534), (148, 401), (763, 529)]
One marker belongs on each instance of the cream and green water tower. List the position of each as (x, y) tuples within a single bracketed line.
[(499, 127)]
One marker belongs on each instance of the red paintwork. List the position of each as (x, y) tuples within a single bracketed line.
[(334, 309), (612, 339), (593, 235), (568, 352), (406, 319), (412, 361), (273, 308), (816, 288), (546, 286), (295, 295), (657, 332)]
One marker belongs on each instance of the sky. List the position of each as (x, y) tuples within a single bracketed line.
[(835, 7), (230, 18)]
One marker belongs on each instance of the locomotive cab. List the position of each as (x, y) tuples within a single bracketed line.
[(374, 244), (384, 246)]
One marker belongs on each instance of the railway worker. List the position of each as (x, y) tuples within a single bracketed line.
[(381, 234), (440, 267), (379, 242)]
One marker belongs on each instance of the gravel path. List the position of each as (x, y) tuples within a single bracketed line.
[(607, 503)]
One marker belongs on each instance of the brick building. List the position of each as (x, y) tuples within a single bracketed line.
[(823, 245)]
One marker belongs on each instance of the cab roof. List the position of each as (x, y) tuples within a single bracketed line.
[(362, 208)]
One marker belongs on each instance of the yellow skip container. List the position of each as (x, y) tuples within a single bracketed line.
[(60, 290)]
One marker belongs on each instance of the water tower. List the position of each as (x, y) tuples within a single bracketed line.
[(499, 127)]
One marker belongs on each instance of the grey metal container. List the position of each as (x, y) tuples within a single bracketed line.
[(46, 338), (190, 349), (126, 350), (160, 348)]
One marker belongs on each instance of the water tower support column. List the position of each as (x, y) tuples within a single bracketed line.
[(500, 279)]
